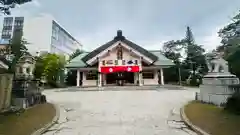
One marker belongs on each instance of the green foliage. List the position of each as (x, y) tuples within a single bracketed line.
[(234, 62), (195, 80), (6, 5), (172, 50), (75, 54), (189, 36), (50, 66), (39, 68), (194, 61), (15, 51), (233, 103), (195, 52), (230, 47), (230, 33)]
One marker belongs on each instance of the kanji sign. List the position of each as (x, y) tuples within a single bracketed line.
[(112, 69)]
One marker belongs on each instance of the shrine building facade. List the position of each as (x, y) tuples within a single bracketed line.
[(119, 62)]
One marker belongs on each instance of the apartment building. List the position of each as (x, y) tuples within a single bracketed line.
[(43, 34)]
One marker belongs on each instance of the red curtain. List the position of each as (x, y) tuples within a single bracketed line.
[(112, 69)]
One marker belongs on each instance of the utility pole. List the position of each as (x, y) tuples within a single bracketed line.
[(179, 74)]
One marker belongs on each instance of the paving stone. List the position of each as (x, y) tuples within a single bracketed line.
[(120, 112)]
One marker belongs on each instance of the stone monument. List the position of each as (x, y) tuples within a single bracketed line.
[(215, 87), (26, 91)]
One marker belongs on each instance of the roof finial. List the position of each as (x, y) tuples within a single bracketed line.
[(119, 33)]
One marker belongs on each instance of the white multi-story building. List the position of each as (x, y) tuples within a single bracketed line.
[(42, 33)]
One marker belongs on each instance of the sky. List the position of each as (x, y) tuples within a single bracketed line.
[(148, 23)]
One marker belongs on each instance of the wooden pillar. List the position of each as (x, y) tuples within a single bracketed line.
[(104, 79), (99, 79), (78, 78), (136, 78), (162, 76), (140, 79)]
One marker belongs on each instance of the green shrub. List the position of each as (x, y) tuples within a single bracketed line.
[(233, 103), (195, 80)]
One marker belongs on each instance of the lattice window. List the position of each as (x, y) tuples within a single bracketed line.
[(148, 75), (91, 75)]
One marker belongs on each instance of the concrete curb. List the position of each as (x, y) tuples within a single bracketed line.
[(50, 124), (191, 125)]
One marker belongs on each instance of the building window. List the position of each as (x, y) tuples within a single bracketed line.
[(55, 31), (91, 75), (148, 75), (8, 23)]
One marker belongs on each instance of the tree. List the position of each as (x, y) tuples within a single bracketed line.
[(230, 47), (39, 68), (6, 5), (172, 50), (195, 61), (189, 39), (75, 54), (50, 66), (192, 53), (15, 50), (234, 62), (230, 35)]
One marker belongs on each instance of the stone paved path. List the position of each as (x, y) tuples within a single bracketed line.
[(147, 112)]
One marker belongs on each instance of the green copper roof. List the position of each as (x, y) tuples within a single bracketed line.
[(161, 61), (77, 61)]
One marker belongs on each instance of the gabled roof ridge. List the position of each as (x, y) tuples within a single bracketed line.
[(97, 50), (147, 52), (121, 38)]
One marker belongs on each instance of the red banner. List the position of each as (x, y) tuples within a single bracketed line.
[(112, 69)]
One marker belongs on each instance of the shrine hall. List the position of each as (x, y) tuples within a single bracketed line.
[(119, 62)]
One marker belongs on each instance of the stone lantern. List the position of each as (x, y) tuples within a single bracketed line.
[(25, 67), (26, 91)]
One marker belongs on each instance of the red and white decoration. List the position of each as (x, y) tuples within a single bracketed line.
[(112, 69)]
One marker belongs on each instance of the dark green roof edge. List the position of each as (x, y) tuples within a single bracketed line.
[(97, 51), (140, 49)]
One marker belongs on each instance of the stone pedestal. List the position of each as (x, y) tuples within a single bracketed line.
[(215, 88), (26, 93)]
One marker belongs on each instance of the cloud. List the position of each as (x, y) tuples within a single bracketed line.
[(211, 40), (36, 3), (147, 23)]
